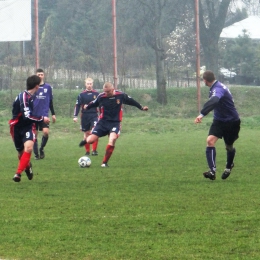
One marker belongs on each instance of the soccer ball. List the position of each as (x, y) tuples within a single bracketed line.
[(84, 161)]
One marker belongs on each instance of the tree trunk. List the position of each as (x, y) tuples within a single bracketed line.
[(211, 55), (160, 78)]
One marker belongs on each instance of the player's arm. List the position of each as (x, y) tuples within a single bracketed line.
[(131, 102), (76, 109), (52, 111), (208, 106), (27, 112)]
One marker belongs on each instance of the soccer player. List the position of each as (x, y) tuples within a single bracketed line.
[(89, 117), (22, 126), (110, 103), (43, 102), (226, 124)]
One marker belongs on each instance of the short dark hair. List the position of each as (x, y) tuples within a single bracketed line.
[(32, 82), (209, 76), (39, 70)]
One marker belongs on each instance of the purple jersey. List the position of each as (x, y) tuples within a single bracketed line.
[(225, 109), (42, 100)]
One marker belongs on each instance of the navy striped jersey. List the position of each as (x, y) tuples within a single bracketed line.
[(84, 98), (22, 113), (111, 107)]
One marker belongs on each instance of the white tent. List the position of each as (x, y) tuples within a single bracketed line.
[(250, 24)]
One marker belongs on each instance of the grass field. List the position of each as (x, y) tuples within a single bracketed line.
[(151, 203)]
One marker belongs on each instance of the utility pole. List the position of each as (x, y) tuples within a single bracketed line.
[(36, 24), (114, 41), (197, 52)]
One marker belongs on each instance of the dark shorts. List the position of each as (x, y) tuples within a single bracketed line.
[(227, 130), (22, 134), (87, 123), (104, 128), (40, 125)]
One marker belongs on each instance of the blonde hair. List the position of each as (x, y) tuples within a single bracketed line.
[(89, 80), (108, 85)]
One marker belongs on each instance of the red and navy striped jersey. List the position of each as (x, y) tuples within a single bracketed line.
[(111, 107), (84, 98), (22, 113)]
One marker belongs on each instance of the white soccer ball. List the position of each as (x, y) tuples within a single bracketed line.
[(84, 161)]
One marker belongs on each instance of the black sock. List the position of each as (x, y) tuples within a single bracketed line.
[(35, 148), (44, 141), (230, 158)]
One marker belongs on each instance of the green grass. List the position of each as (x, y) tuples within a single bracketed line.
[(151, 203)]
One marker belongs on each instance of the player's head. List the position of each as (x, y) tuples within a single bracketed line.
[(32, 82), (208, 77), (40, 73), (108, 88), (89, 83)]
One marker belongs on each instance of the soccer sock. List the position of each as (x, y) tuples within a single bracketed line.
[(230, 158), (211, 158), (44, 141), (24, 162), (35, 147), (87, 147), (94, 145), (109, 151)]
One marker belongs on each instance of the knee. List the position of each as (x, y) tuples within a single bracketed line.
[(230, 148)]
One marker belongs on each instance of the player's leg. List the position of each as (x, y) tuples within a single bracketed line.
[(231, 135), (87, 146), (84, 128), (211, 157), (25, 155), (109, 148), (115, 129), (95, 144), (35, 146), (215, 132), (45, 137)]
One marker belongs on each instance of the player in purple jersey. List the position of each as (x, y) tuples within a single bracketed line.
[(22, 126), (226, 124), (110, 104), (43, 102), (89, 117)]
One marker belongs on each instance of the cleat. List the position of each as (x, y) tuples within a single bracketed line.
[(29, 172), (42, 155), (37, 157), (210, 174), (87, 153), (17, 177), (227, 172), (104, 165), (94, 153), (82, 143)]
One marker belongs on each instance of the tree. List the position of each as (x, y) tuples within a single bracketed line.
[(212, 18), (242, 54), (154, 20)]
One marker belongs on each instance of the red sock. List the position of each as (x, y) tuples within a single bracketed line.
[(24, 162), (87, 146), (94, 145), (109, 151)]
